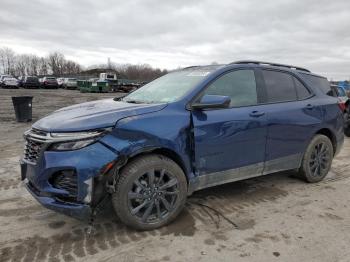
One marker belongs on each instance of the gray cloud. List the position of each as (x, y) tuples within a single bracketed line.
[(169, 34)]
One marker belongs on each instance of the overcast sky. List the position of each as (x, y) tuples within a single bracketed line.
[(169, 34)]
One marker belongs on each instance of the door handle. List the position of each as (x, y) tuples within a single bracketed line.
[(257, 114), (309, 106)]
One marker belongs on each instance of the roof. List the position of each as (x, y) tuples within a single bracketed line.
[(271, 64)]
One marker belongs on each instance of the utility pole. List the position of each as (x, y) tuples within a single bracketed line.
[(109, 66)]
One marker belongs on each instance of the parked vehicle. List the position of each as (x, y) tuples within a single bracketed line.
[(9, 82), (2, 78), (94, 85), (29, 82), (70, 83), (49, 82), (191, 129), (60, 81), (344, 103)]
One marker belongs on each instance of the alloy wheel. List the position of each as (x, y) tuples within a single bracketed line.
[(153, 196), (320, 159)]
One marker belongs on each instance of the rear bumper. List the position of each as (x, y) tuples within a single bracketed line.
[(50, 85), (34, 85), (9, 86)]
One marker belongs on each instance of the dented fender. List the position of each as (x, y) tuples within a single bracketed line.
[(156, 131)]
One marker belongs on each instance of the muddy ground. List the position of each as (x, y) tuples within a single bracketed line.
[(272, 218)]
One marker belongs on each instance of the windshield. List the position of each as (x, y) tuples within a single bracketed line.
[(168, 88)]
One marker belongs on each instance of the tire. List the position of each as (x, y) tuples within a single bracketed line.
[(317, 160), (142, 199), (347, 131)]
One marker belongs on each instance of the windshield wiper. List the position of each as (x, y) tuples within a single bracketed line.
[(134, 101)]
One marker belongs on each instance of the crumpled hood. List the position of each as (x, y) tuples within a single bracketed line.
[(92, 115)]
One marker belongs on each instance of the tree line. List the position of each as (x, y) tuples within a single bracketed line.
[(142, 72), (29, 64), (57, 65)]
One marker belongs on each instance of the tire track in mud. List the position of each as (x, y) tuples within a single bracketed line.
[(12, 183), (76, 244)]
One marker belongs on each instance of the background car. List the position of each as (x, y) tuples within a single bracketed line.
[(60, 81), (70, 83), (49, 82), (9, 82), (344, 104), (29, 82), (2, 78)]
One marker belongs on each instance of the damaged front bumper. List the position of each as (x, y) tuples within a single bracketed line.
[(67, 181)]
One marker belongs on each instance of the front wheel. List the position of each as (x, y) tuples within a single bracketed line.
[(151, 191), (317, 159)]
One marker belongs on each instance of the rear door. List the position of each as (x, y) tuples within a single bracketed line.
[(291, 115), (230, 143)]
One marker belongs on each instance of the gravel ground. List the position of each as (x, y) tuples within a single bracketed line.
[(271, 218)]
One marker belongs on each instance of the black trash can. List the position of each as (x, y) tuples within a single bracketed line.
[(23, 108)]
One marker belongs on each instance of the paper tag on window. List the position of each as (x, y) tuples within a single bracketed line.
[(198, 73)]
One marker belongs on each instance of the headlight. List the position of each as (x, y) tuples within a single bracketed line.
[(74, 140), (73, 145)]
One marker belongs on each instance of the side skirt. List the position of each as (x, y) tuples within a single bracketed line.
[(241, 173)]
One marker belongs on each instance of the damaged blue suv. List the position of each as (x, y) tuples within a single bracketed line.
[(193, 128)]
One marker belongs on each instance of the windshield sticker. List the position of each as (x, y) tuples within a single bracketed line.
[(198, 73)]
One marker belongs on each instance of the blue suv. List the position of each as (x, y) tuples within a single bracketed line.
[(193, 128)]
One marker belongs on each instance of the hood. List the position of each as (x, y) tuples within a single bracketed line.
[(92, 115)]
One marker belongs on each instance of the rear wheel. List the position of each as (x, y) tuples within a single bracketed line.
[(347, 131), (151, 191), (317, 159)]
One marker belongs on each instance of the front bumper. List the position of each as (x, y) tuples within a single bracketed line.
[(86, 163), (79, 211)]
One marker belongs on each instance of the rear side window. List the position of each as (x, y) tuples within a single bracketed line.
[(320, 83), (239, 85), (302, 91), (279, 86)]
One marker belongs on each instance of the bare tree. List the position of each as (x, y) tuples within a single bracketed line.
[(7, 60), (43, 68), (34, 65), (56, 63)]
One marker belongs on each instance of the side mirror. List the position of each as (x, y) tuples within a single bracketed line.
[(212, 101)]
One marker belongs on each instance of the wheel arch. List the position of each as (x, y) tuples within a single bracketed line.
[(171, 154), (328, 133)]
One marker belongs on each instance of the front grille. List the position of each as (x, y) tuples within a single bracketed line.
[(66, 180), (34, 145), (32, 150)]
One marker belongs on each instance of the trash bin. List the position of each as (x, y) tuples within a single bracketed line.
[(23, 108)]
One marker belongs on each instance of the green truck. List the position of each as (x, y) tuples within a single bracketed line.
[(107, 83)]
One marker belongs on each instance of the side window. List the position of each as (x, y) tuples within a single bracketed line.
[(279, 86), (319, 82), (302, 91), (239, 85)]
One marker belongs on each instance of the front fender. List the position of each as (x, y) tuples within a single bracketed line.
[(145, 133)]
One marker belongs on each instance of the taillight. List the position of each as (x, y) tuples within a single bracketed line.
[(342, 106)]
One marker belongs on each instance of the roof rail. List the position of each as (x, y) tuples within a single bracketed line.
[(270, 64), (188, 67)]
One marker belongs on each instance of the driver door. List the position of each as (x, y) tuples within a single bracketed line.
[(230, 142)]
